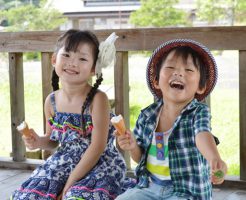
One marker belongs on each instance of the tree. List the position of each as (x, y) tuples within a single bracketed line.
[(29, 17), (229, 12), (158, 13)]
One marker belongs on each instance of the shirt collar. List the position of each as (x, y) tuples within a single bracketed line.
[(154, 108)]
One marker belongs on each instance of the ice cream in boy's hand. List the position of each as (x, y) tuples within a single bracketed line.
[(119, 124), (23, 128)]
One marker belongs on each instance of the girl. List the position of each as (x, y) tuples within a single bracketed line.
[(86, 165), (173, 144)]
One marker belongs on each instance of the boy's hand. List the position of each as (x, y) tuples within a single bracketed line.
[(218, 171), (31, 142), (126, 142)]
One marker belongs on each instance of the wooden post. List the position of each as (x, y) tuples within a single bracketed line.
[(46, 88), (121, 82), (17, 103), (242, 113)]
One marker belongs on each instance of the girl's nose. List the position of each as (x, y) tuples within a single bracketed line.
[(73, 63)]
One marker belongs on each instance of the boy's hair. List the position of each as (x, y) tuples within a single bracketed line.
[(70, 40), (184, 52)]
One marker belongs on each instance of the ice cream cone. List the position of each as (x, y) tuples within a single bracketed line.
[(119, 124), (24, 129)]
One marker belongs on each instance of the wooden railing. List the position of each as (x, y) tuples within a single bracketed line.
[(216, 38)]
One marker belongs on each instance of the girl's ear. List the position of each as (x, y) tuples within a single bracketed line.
[(93, 72), (53, 60)]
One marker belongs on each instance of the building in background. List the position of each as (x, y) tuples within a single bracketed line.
[(109, 14), (96, 14)]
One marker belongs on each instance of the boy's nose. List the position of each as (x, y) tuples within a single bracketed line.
[(178, 73)]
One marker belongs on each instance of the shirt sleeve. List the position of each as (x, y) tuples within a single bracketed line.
[(138, 130), (202, 120)]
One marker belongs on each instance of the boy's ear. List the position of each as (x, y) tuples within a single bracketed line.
[(201, 90), (156, 84), (53, 60)]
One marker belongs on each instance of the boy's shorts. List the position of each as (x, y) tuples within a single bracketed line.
[(153, 192)]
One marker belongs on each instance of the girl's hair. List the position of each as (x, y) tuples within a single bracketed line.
[(184, 52), (70, 40)]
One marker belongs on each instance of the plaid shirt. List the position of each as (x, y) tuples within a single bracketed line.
[(189, 170)]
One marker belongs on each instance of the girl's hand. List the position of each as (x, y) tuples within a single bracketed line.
[(33, 141), (69, 184), (218, 171), (126, 141)]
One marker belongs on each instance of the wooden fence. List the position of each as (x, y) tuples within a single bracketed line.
[(15, 44)]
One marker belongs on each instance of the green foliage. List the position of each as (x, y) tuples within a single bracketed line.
[(32, 18), (158, 13), (230, 12)]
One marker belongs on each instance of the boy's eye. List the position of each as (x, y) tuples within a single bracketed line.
[(169, 67), (189, 70)]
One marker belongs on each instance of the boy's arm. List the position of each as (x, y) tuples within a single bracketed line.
[(207, 146)]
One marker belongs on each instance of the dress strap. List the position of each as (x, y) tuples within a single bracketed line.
[(53, 102)]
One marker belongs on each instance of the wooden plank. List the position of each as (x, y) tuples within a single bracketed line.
[(30, 164), (17, 103), (46, 88), (121, 82), (46, 76), (132, 39), (242, 113), (7, 186)]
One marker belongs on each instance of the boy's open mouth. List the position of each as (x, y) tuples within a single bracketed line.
[(176, 85)]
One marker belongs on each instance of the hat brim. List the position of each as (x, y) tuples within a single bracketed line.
[(163, 49)]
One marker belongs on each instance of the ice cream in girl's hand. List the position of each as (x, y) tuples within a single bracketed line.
[(119, 124), (24, 129)]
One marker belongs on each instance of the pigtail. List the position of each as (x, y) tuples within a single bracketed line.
[(55, 81), (88, 100)]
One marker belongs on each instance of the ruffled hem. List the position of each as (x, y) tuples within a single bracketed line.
[(38, 189), (67, 125)]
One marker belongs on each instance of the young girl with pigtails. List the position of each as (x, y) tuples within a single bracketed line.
[(86, 164)]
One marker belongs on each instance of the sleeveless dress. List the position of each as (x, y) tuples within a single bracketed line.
[(105, 181)]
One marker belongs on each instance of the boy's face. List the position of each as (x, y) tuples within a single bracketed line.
[(179, 79)]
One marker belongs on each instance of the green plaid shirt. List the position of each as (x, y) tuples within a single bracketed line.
[(189, 170)]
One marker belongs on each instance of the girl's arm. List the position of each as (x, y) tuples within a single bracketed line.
[(42, 142), (206, 145), (99, 136)]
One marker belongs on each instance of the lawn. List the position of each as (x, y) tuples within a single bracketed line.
[(224, 103)]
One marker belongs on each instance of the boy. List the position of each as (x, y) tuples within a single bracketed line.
[(176, 153)]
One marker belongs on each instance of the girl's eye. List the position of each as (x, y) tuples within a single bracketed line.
[(83, 59), (65, 54)]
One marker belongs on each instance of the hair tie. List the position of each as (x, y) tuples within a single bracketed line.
[(106, 54)]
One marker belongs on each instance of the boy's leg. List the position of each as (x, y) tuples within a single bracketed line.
[(150, 193)]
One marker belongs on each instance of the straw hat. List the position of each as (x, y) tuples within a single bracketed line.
[(166, 47)]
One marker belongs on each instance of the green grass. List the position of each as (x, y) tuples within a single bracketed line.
[(224, 106)]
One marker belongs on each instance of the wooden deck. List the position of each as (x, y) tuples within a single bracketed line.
[(10, 179)]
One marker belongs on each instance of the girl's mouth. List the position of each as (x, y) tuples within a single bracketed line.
[(69, 71)]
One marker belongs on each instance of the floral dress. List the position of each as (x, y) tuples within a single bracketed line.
[(105, 181)]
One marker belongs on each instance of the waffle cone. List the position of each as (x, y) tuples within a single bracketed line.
[(24, 129), (120, 126)]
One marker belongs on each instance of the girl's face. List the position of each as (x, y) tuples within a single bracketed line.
[(179, 79), (74, 67)]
